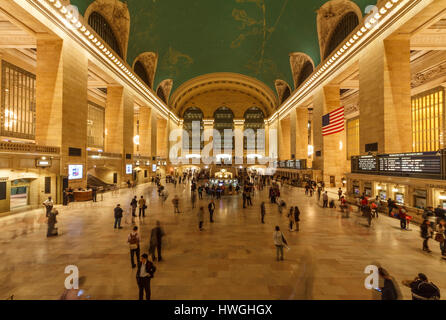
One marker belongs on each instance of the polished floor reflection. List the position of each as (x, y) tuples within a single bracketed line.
[(234, 258)]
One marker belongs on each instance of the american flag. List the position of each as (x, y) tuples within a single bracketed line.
[(333, 122)]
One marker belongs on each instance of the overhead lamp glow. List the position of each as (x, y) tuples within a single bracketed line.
[(136, 140)]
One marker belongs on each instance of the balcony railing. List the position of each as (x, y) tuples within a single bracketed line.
[(27, 148)]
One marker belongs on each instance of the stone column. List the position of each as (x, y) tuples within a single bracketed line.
[(284, 138), (119, 124), (239, 150), (301, 144), (162, 137), (333, 158), (385, 96), (153, 133), (61, 101), (208, 126)]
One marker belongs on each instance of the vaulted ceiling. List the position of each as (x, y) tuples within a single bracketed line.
[(197, 37)]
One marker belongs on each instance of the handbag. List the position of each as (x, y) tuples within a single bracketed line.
[(439, 237)]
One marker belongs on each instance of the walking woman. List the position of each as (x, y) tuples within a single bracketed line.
[(291, 218), (426, 234), (279, 242), (296, 217)]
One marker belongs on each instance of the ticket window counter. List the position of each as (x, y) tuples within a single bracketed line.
[(399, 198), (420, 199), (356, 191), (368, 189)]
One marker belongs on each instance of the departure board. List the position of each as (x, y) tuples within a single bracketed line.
[(410, 163), (367, 163)]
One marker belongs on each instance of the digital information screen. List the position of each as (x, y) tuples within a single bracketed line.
[(411, 163), (427, 164), (367, 163)]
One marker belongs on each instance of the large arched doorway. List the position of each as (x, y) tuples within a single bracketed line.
[(193, 128), (224, 142), (254, 140)]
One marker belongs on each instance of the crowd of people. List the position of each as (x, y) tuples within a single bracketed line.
[(433, 226)]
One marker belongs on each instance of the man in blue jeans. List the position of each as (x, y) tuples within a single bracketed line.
[(118, 216)]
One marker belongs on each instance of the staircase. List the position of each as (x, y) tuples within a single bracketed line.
[(93, 181)]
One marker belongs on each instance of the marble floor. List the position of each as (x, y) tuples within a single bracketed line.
[(234, 258)]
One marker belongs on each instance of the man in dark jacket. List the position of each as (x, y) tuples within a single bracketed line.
[(145, 272), (296, 217), (118, 216), (422, 289), (211, 208), (262, 211), (156, 241)]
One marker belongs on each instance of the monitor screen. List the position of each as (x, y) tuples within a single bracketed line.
[(75, 171), (128, 169)]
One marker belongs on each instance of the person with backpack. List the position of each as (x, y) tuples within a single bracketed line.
[(48, 204), (422, 289), (388, 291), (279, 242), (52, 230), (133, 241), (145, 273)]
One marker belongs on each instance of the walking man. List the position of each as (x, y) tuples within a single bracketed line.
[(325, 200), (118, 216), (133, 241), (156, 241), (262, 211), (145, 272), (142, 206), (296, 217), (211, 208), (176, 204), (134, 205)]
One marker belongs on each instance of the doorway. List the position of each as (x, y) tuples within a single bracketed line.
[(19, 194)]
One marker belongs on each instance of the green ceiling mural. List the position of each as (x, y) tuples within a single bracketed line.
[(195, 37)]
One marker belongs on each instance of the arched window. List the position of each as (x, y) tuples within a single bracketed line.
[(160, 94), (103, 29), (306, 71), (347, 24), (286, 94), (140, 70), (255, 120), (193, 119), (223, 119)]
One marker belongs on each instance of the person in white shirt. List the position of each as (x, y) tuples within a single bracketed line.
[(279, 242), (48, 203)]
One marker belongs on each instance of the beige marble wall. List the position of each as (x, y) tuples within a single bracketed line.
[(144, 131), (285, 138), (384, 96), (61, 100), (162, 138)]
